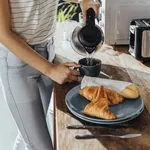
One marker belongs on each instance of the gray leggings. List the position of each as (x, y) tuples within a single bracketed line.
[(28, 93)]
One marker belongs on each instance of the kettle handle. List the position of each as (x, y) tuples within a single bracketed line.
[(90, 17)]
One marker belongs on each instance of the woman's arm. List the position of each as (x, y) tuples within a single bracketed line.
[(59, 73), (16, 44)]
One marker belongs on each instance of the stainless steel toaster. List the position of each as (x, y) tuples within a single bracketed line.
[(139, 39)]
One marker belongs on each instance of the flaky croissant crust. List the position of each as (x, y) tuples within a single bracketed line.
[(99, 109), (95, 93), (101, 98)]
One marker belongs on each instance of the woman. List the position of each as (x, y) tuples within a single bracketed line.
[(26, 69)]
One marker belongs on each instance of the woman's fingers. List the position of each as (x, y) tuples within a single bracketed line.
[(71, 75), (86, 4), (71, 64), (75, 73), (73, 78)]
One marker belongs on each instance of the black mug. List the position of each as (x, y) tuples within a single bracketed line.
[(90, 67)]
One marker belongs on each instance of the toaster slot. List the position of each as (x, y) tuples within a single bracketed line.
[(140, 23), (146, 22)]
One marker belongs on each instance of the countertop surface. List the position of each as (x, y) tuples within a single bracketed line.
[(121, 66)]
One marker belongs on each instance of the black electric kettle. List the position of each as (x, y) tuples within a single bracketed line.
[(87, 38)]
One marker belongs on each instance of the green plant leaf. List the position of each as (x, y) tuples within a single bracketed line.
[(66, 12), (71, 9), (72, 15), (66, 9)]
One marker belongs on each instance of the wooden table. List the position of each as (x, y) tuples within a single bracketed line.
[(64, 138)]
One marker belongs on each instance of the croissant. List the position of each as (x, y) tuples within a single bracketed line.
[(114, 97), (99, 109), (95, 93)]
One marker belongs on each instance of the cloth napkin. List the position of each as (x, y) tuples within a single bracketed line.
[(115, 85)]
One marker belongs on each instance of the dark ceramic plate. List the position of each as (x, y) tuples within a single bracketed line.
[(126, 111)]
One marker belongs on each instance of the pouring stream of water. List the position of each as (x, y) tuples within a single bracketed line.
[(89, 58)]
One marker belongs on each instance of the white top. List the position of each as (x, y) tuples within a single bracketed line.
[(33, 20)]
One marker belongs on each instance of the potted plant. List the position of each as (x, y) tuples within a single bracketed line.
[(65, 13)]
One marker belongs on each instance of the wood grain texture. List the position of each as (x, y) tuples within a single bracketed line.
[(64, 138)]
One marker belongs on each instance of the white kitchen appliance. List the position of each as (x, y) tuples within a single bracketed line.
[(116, 16)]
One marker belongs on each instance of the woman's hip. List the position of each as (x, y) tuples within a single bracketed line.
[(46, 50)]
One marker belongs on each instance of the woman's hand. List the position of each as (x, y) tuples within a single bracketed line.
[(63, 73), (86, 4)]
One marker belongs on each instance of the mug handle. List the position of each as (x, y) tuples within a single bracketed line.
[(77, 68), (74, 68)]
